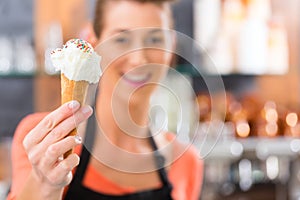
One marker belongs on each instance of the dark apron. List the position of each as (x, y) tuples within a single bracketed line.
[(78, 191)]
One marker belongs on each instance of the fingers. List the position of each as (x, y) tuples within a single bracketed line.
[(39, 139), (61, 175), (37, 134), (56, 150), (66, 126), (51, 168), (47, 142)]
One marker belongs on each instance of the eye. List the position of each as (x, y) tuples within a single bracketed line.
[(155, 40), (122, 40)]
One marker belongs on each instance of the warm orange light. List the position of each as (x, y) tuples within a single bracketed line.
[(270, 105), (271, 115), (271, 129), (243, 129), (291, 119)]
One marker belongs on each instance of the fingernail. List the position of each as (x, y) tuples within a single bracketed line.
[(60, 158), (78, 139), (86, 109), (74, 105)]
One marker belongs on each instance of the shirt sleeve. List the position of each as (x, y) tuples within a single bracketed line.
[(21, 166)]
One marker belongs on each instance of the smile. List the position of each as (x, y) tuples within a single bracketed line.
[(136, 79)]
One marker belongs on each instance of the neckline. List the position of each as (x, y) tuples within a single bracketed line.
[(111, 184), (89, 141)]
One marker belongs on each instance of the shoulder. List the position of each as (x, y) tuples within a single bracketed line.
[(185, 153), (181, 158), (185, 170)]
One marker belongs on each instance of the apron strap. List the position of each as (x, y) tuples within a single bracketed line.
[(88, 145), (160, 162)]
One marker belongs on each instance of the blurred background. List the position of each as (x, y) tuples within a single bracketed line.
[(253, 44)]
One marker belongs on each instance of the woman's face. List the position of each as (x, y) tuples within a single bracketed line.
[(134, 46)]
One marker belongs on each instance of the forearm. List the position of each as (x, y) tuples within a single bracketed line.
[(36, 190)]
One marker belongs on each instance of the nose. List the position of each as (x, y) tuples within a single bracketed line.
[(138, 57)]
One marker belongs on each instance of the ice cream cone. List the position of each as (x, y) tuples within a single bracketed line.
[(73, 90), (80, 66)]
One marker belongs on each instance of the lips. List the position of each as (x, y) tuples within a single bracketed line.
[(136, 79)]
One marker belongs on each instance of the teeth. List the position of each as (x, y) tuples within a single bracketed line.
[(136, 78)]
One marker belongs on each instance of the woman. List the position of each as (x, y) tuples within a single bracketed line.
[(107, 169)]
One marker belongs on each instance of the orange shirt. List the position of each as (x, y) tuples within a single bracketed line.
[(185, 174)]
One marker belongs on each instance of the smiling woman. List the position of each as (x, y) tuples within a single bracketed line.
[(121, 157)]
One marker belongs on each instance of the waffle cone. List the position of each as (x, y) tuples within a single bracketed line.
[(73, 90)]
